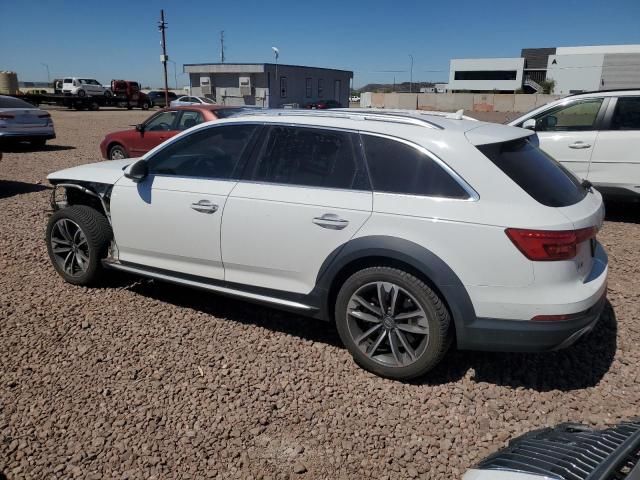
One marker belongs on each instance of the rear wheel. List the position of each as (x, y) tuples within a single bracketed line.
[(77, 240), (145, 106), (392, 323), (117, 152)]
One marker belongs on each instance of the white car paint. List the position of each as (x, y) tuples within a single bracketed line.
[(90, 86), (191, 100), (607, 158), (263, 235), (19, 119)]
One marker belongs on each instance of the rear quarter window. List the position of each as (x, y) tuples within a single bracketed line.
[(538, 174)]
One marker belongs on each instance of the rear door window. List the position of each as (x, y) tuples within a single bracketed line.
[(535, 172), (396, 167), (311, 157), (189, 119), (627, 114)]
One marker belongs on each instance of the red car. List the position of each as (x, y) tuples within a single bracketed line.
[(159, 127)]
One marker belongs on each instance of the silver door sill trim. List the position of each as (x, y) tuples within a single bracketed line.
[(206, 286)]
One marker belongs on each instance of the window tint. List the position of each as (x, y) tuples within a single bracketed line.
[(212, 152), (399, 168), (189, 119), (486, 75), (11, 102), (577, 116), (162, 122), (312, 157), (535, 172), (627, 114)]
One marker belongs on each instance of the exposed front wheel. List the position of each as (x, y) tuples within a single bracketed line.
[(392, 323), (81, 93), (77, 241)]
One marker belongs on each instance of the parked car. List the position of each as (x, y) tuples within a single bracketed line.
[(192, 101), (566, 452), (323, 104), (84, 87), (408, 231), (596, 135), (156, 97), (159, 127), (20, 121)]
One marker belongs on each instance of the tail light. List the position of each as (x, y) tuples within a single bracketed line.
[(549, 245), (6, 116)]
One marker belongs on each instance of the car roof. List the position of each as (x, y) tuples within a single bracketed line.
[(412, 125), (207, 106), (613, 92)]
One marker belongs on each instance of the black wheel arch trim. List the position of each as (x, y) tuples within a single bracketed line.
[(436, 271)]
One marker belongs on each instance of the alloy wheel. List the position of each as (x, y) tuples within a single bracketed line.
[(70, 247), (387, 324)]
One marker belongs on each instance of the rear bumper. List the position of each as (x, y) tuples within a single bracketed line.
[(26, 136), (500, 335)]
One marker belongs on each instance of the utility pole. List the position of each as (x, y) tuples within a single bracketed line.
[(162, 26), (48, 76), (221, 46), (411, 75)]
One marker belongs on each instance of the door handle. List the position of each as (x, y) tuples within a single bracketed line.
[(578, 145), (330, 221), (204, 206)]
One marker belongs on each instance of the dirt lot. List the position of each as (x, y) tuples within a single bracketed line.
[(144, 380)]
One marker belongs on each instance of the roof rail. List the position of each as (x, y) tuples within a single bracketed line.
[(608, 90), (355, 115), (458, 115)]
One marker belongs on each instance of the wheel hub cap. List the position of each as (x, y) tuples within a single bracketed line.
[(70, 247), (388, 324)]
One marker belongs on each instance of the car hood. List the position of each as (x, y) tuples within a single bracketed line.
[(102, 172)]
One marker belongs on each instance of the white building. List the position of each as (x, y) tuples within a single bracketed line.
[(576, 69), (573, 69), (486, 74)]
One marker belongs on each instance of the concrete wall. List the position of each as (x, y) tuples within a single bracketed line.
[(621, 70), (451, 102), (488, 64)]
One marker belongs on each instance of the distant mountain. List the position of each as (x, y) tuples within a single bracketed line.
[(390, 87)]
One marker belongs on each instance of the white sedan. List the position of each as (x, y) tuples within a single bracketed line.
[(191, 101)]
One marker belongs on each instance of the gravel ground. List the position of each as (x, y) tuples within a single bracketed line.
[(145, 380)]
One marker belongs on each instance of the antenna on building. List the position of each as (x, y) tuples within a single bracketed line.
[(221, 46)]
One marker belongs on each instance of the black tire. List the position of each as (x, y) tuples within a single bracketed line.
[(98, 234), (145, 106), (433, 346), (115, 150), (81, 93)]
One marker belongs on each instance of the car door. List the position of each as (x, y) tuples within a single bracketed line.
[(171, 219), (616, 157), (307, 193), (568, 132), (160, 127)]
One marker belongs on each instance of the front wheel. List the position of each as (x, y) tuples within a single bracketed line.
[(77, 240), (145, 106), (81, 93), (392, 323), (117, 152)]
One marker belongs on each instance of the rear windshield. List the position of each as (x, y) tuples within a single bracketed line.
[(535, 172), (10, 102)]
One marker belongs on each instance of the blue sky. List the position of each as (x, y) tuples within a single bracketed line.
[(374, 38)]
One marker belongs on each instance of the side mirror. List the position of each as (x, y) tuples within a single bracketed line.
[(140, 127), (137, 171), (529, 124)]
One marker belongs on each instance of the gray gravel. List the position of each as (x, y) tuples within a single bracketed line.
[(144, 380)]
